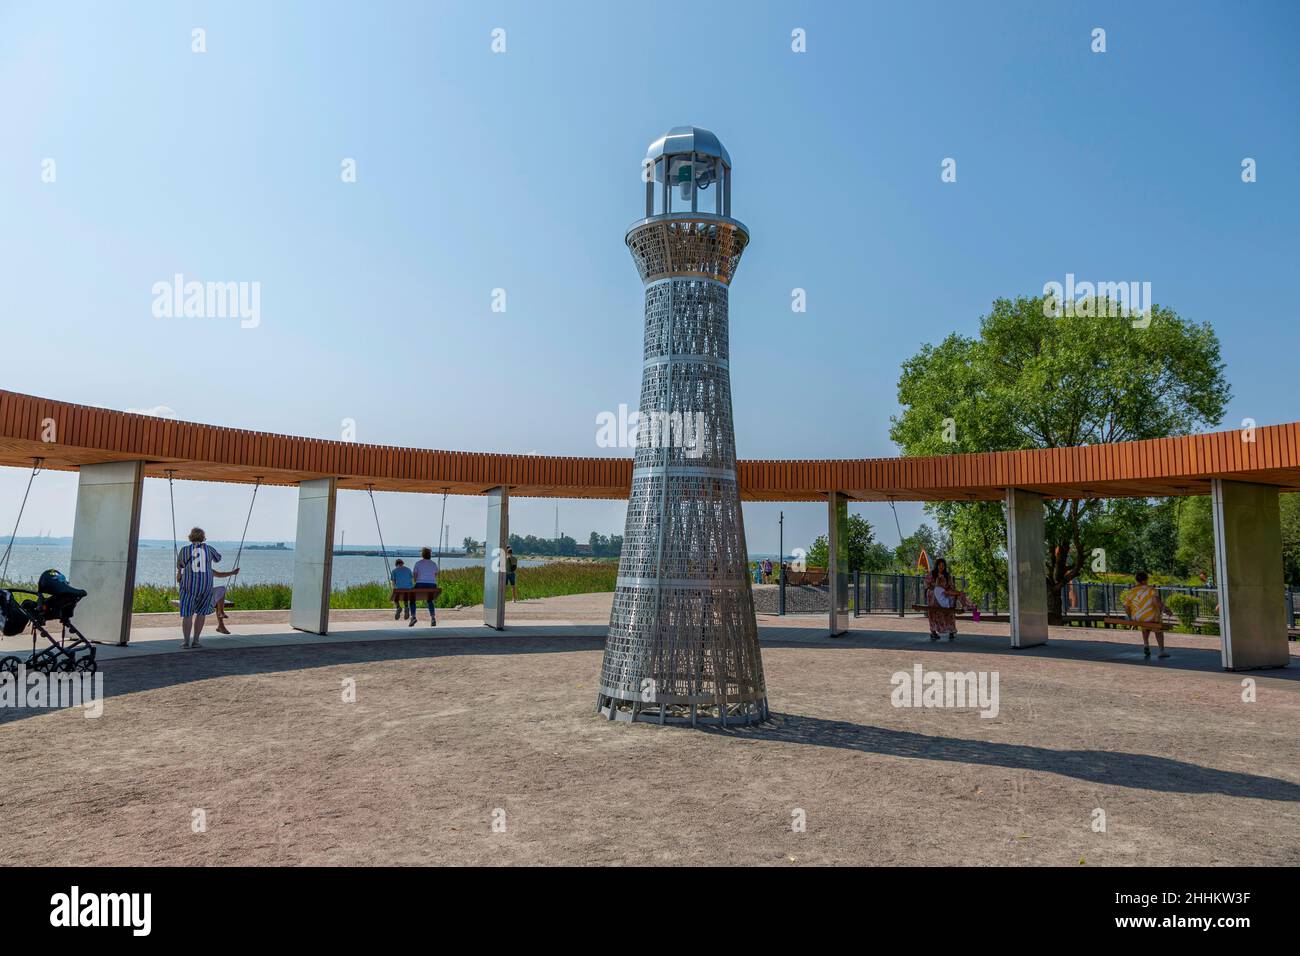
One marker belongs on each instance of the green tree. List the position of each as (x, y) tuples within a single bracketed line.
[(1290, 504), (977, 551), (1196, 535), (879, 557), (908, 553), (864, 552), (1030, 380), (1141, 534), (909, 549)]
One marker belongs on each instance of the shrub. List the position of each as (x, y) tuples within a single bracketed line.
[(1185, 608), (460, 587)]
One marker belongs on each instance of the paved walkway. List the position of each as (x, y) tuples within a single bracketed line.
[(584, 618)]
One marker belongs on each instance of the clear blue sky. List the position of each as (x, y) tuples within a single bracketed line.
[(519, 171)]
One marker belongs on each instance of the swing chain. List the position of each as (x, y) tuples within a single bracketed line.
[(171, 497), (240, 553), (36, 470), (441, 525), (896, 524), (370, 490)]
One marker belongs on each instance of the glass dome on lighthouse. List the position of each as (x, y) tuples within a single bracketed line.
[(687, 171)]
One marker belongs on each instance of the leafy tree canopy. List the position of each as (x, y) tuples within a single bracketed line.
[(865, 553), (1195, 536), (1030, 380), (925, 537)]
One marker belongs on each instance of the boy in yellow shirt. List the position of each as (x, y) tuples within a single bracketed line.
[(1142, 604)]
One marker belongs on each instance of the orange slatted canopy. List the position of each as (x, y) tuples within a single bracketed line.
[(68, 436)]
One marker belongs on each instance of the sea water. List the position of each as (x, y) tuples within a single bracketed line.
[(154, 564)]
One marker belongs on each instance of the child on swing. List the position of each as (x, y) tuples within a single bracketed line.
[(219, 599)]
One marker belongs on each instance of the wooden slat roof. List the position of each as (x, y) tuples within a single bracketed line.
[(1165, 466)]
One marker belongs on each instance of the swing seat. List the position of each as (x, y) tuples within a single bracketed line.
[(415, 594), (963, 615), (1139, 625)]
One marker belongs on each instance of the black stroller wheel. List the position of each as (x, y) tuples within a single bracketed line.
[(10, 664), (86, 665), (65, 665)]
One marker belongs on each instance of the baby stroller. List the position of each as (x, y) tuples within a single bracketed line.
[(55, 599)]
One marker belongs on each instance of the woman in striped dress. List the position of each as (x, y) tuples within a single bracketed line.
[(194, 573)]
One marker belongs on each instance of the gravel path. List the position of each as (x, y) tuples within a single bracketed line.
[(261, 745)]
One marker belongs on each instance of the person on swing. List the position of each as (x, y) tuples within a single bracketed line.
[(942, 600), (403, 580), (426, 576), (219, 599), (194, 574), (1143, 605)]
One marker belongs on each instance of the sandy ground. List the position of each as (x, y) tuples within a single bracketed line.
[(449, 735)]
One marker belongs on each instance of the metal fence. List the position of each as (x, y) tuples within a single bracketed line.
[(1087, 600), (868, 592), (1099, 599), (872, 592), (876, 593)]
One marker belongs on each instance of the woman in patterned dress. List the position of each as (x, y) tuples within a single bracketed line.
[(942, 600)]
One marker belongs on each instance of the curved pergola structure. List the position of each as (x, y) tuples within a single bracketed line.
[(68, 436), (1242, 470)]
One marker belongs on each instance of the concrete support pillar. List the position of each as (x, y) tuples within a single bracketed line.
[(837, 570), (105, 536), (313, 556), (494, 558), (1026, 568), (1248, 568)]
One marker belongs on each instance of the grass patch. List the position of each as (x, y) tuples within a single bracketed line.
[(460, 587)]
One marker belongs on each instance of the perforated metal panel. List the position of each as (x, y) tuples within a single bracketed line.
[(708, 246), (683, 643)]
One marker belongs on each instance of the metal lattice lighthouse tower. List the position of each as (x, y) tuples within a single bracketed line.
[(683, 643)]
